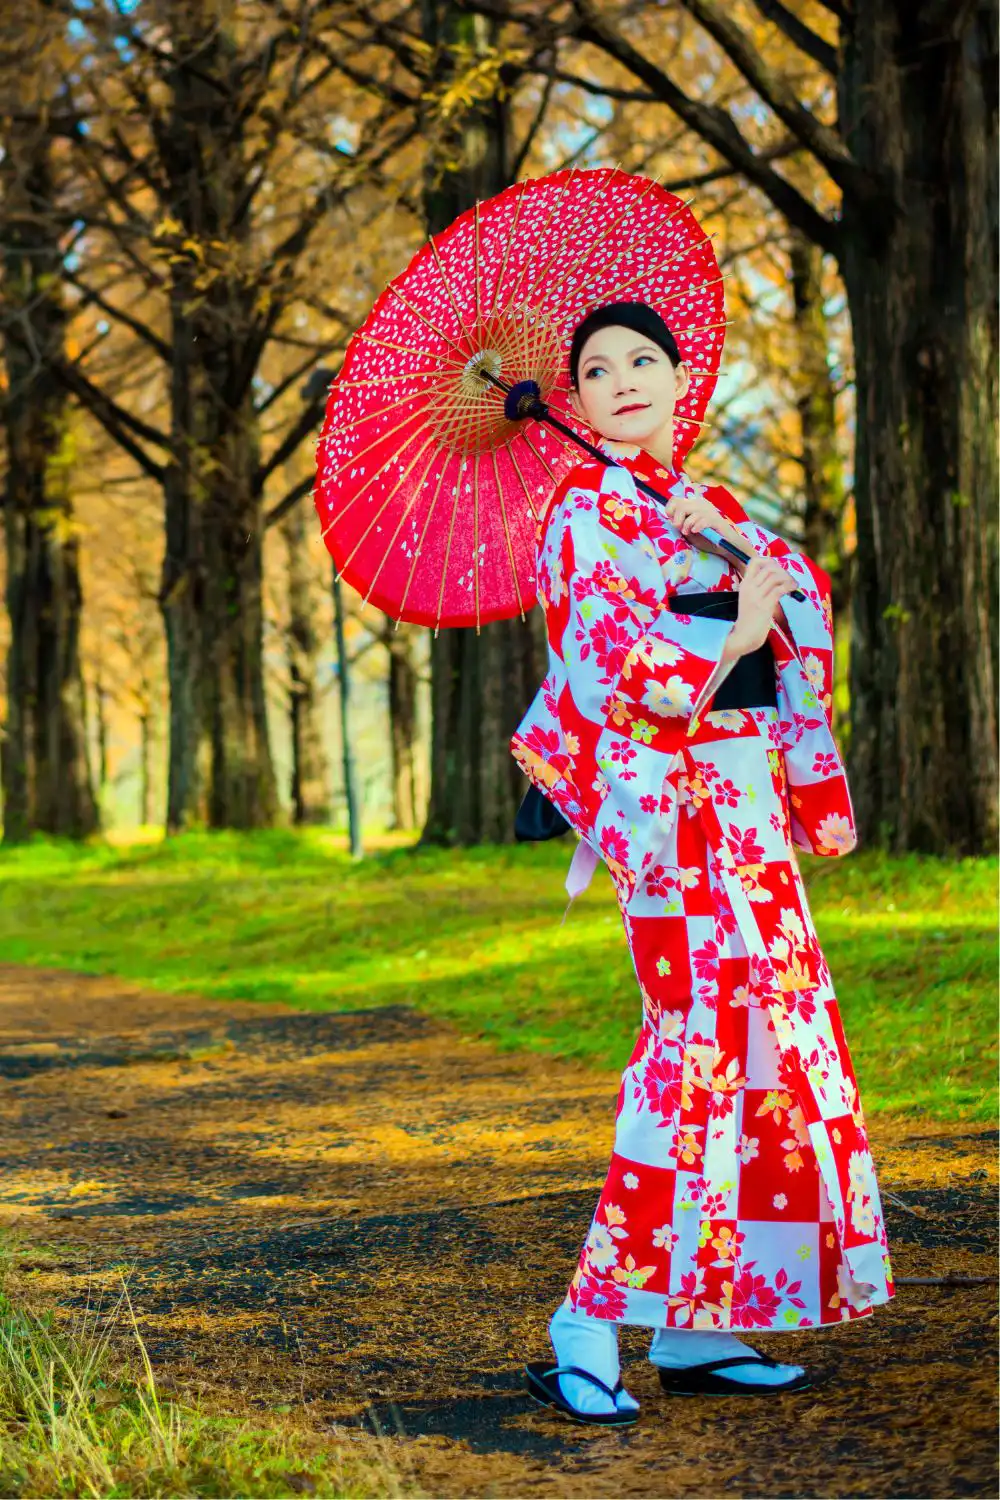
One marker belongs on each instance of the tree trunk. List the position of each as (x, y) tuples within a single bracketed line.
[(402, 725), (822, 467), (481, 683), (145, 762), (100, 709), (918, 103), (43, 757), (310, 782), (220, 764)]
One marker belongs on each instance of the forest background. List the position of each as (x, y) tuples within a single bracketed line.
[(201, 199)]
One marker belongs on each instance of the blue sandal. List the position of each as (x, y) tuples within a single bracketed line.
[(543, 1386)]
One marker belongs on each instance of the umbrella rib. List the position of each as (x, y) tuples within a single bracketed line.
[(447, 553), (395, 348), (347, 385), (475, 533), (701, 287), (524, 482), (427, 522), (336, 428), (355, 456), (540, 456), (629, 209), (648, 270), (426, 321), (458, 425), (426, 444), (510, 241), (705, 327), (409, 506), (516, 290), (567, 231), (506, 532), (447, 286), (678, 255)]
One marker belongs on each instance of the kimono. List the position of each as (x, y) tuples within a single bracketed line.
[(741, 1192)]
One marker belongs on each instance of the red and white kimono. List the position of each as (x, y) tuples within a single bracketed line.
[(741, 1192)]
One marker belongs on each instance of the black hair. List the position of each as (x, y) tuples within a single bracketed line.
[(638, 315)]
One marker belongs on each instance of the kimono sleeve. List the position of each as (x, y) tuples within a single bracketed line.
[(822, 814), (637, 676), (633, 665), (809, 634)]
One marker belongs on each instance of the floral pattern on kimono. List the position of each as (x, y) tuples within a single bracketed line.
[(742, 1190)]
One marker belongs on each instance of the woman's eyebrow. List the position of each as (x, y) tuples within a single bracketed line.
[(636, 350)]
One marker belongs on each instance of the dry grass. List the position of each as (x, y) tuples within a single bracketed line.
[(82, 1413)]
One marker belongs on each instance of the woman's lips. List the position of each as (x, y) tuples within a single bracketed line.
[(624, 410)]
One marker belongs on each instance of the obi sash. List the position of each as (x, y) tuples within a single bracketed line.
[(750, 683)]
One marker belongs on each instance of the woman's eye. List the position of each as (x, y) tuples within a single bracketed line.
[(593, 370), (640, 357)]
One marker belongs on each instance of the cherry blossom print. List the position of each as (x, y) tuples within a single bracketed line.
[(600, 1299), (740, 1148), (755, 1304), (661, 1085)]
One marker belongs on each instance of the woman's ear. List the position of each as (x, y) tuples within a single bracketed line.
[(574, 401), (681, 382)]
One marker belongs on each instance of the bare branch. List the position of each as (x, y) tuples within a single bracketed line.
[(800, 35), (293, 497), (776, 92), (307, 422), (92, 295), (714, 124)]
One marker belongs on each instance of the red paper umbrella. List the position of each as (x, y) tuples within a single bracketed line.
[(430, 485)]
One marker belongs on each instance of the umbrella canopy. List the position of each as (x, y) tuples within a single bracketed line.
[(428, 494)]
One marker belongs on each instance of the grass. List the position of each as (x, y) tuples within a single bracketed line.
[(82, 1415), (474, 936)]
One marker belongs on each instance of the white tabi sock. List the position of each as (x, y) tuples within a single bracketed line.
[(590, 1344), (680, 1348)]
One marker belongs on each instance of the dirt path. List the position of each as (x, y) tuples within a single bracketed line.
[(368, 1214)]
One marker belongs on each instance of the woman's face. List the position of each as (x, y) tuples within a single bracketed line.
[(627, 387)]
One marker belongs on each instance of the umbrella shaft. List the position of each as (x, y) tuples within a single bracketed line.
[(530, 404)]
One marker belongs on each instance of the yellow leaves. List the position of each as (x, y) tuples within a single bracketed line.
[(477, 78)]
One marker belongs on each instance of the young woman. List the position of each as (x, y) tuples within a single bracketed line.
[(683, 729)]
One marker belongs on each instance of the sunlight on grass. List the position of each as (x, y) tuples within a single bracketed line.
[(473, 936), (79, 1417)]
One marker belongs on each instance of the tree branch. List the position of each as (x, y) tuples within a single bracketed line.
[(292, 498), (800, 35), (91, 294), (296, 434), (775, 91), (715, 126), (114, 419)]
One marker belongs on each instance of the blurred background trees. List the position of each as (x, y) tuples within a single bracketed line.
[(201, 199)]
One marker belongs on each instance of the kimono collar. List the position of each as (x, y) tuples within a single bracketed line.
[(642, 465)]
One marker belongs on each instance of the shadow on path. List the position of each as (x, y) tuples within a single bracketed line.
[(372, 1216)]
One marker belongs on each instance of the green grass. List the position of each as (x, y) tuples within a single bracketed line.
[(474, 936), (83, 1413)]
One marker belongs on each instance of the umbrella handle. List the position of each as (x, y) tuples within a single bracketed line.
[(525, 400)]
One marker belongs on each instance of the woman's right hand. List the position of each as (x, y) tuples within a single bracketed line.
[(761, 587)]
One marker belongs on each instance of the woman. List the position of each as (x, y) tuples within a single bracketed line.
[(692, 752)]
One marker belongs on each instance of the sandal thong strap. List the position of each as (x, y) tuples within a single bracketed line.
[(584, 1375)]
